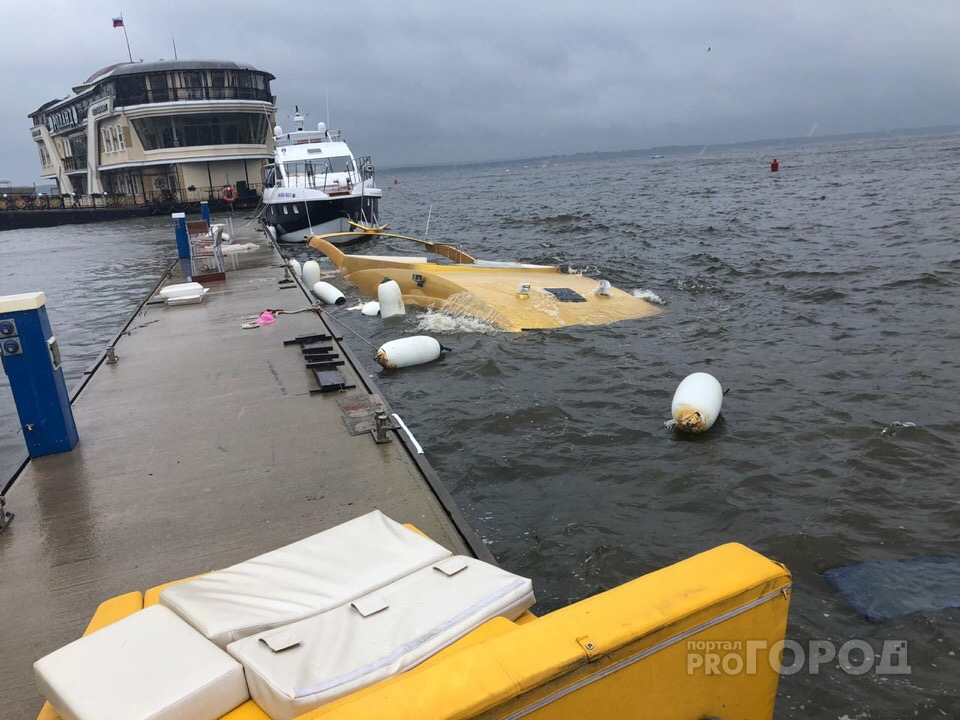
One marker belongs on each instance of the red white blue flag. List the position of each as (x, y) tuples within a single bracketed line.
[(118, 22)]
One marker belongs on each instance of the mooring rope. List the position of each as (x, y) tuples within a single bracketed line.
[(316, 307)]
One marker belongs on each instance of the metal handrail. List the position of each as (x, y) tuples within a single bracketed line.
[(145, 97), (12, 202)]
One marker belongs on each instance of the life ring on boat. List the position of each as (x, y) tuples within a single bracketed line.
[(229, 194)]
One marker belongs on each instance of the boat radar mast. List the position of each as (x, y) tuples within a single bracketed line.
[(298, 118)]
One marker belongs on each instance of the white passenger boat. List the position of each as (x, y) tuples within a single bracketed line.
[(316, 186)]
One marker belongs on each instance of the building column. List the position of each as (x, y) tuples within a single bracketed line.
[(63, 181), (93, 153)]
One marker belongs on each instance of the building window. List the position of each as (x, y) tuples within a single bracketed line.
[(192, 82), (44, 155), (111, 138), (158, 87), (173, 131)]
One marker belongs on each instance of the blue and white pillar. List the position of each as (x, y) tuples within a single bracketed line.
[(183, 239), (31, 360)]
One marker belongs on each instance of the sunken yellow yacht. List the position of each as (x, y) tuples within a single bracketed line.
[(509, 296), (371, 619)]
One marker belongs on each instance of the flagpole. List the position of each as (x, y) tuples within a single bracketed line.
[(124, 26)]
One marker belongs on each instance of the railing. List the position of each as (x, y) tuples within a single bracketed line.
[(201, 93), (249, 198)]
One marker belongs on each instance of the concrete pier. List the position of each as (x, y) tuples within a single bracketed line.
[(201, 447)]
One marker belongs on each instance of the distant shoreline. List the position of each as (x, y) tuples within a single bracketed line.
[(668, 150)]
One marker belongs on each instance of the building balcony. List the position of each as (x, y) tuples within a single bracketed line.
[(75, 164), (181, 94)]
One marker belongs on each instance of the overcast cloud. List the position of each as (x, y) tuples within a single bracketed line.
[(414, 82)]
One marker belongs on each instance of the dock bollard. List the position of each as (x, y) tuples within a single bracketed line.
[(31, 359)]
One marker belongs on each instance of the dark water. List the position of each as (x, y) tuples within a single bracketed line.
[(93, 277), (825, 297)]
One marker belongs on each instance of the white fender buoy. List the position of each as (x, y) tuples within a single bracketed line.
[(271, 232), (391, 299), (328, 293), (180, 290), (697, 402), (371, 308), (311, 273), (295, 266), (409, 351)]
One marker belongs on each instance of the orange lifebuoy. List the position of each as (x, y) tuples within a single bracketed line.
[(229, 194)]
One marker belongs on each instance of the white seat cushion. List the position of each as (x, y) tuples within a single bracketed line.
[(308, 577), (319, 659), (148, 666)]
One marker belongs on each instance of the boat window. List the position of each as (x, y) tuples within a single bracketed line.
[(269, 174), (319, 166), (285, 212), (340, 164), (296, 210)]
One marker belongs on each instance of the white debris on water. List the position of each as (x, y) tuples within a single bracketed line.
[(892, 428), (647, 295), (358, 306), (670, 424)]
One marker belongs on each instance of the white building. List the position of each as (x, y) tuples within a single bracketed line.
[(159, 131)]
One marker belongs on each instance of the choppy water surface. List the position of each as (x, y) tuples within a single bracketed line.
[(93, 276), (825, 297)]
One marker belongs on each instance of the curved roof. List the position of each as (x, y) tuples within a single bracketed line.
[(169, 65), (137, 68)]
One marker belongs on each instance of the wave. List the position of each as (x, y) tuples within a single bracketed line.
[(441, 322), (647, 295)]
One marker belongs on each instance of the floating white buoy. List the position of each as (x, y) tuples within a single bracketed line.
[(697, 402), (295, 266), (271, 232), (391, 299), (328, 293), (409, 351), (311, 273), (371, 308)]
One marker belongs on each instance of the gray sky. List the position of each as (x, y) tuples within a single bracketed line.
[(417, 81)]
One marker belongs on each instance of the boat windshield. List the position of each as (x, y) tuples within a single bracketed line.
[(319, 166)]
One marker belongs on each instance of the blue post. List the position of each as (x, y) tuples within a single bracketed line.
[(205, 212), (183, 240), (31, 359)]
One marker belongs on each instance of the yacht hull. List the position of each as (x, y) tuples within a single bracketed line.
[(295, 221)]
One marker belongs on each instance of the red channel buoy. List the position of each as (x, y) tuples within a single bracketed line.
[(774, 166)]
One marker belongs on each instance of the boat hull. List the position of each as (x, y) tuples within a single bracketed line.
[(294, 221), (651, 647), (490, 291)]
